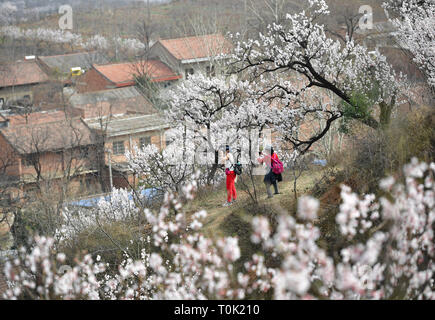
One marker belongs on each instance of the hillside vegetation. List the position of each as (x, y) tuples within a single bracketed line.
[(355, 216)]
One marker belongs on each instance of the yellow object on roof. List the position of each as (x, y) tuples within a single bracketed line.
[(76, 71)]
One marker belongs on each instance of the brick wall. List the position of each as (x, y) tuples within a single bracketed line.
[(135, 140), (103, 108), (48, 96), (91, 81), (159, 52), (9, 162)]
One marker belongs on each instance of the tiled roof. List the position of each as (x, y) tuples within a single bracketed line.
[(63, 63), (46, 131), (122, 74), (198, 47), (35, 118), (129, 124), (21, 73), (128, 98)]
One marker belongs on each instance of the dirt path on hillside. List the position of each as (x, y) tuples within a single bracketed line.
[(283, 203)]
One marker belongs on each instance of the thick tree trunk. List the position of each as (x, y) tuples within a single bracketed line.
[(214, 168), (385, 115)]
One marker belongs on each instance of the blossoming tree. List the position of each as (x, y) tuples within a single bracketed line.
[(216, 111), (292, 63), (387, 252), (415, 23)]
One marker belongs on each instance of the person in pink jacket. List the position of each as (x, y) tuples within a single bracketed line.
[(270, 178)]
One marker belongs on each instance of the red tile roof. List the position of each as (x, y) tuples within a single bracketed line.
[(197, 47), (122, 74), (21, 73)]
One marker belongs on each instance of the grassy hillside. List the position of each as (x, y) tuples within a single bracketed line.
[(236, 219), (244, 208)]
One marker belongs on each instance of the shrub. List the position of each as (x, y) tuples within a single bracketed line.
[(387, 252)]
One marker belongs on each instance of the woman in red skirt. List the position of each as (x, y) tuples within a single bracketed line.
[(231, 177)]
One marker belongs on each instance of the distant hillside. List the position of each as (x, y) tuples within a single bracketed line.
[(184, 17)]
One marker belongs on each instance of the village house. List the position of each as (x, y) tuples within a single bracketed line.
[(126, 100), (61, 65), (50, 147), (84, 139), (117, 75), (190, 54), (18, 83), (120, 119), (121, 133)]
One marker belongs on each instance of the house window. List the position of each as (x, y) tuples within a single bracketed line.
[(144, 141), (204, 153), (88, 182), (29, 160), (209, 70), (118, 147), (189, 72), (168, 141), (85, 184), (83, 153)]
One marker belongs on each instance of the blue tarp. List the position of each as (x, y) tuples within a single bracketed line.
[(92, 202), (320, 162)]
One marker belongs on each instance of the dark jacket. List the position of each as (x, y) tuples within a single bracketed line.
[(270, 177)]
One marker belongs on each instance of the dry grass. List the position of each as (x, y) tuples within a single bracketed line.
[(218, 217), (6, 240), (236, 220)]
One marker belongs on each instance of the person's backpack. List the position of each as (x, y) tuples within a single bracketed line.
[(238, 168), (277, 166)]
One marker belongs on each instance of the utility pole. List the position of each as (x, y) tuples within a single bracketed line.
[(109, 152), (149, 12)]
